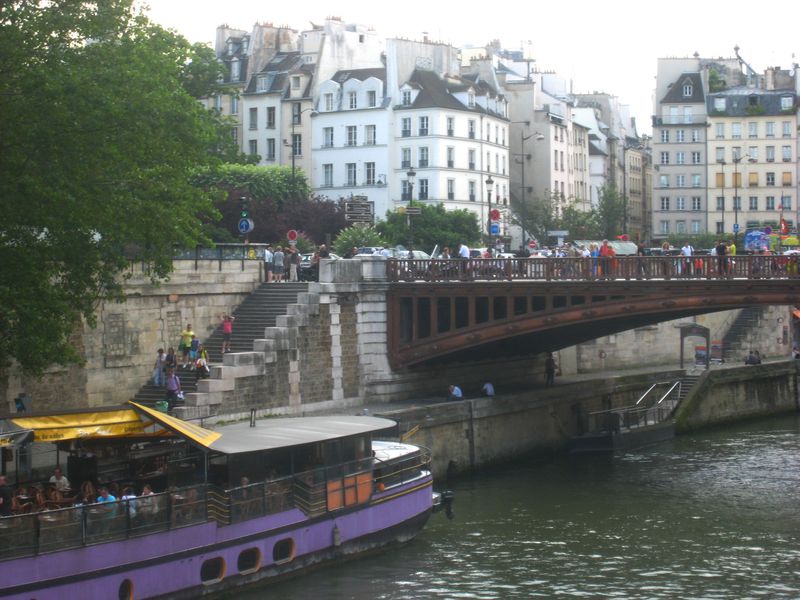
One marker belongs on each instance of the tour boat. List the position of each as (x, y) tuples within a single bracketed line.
[(236, 505)]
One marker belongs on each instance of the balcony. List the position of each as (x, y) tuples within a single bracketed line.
[(450, 164), (405, 133), (450, 132), (422, 163), (472, 135), (472, 166), (406, 164), (423, 131)]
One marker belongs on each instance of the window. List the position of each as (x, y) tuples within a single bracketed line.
[(451, 153), (405, 126), (680, 181), (770, 202), (261, 83), (405, 98), (786, 128), (679, 135), (770, 129), (352, 99), (719, 154), (786, 202), (665, 136), (752, 179), (234, 105), (696, 158), (451, 189), (673, 114), (405, 190), (249, 561), (737, 179), (786, 102), (680, 226), (327, 175), (736, 131), (663, 181), (297, 144), (405, 161), (752, 153), (770, 179), (752, 129), (328, 102), (753, 203), (696, 203), (665, 158), (253, 118), (236, 70), (736, 153), (680, 203), (352, 135), (737, 203), (786, 153), (327, 137), (295, 82), (370, 133), (212, 570), (423, 126), (687, 90), (350, 173), (297, 112), (663, 227), (270, 148), (720, 202), (372, 99), (680, 158), (720, 180), (451, 126), (270, 117), (720, 131), (786, 178), (696, 180), (664, 202), (423, 157), (423, 189), (252, 146), (695, 226), (471, 99), (218, 102), (695, 135), (719, 227), (471, 187), (471, 161), (471, 129), (369, 169), (770, 153), (719, 104)]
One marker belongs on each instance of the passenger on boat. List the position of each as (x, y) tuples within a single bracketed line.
[(147, 501), (105, 497), (130, 498), (6, 497), (59, 480), (87, 493)]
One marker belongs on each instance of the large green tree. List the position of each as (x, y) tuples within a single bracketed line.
[(434, 226), (99, 130), (610, 212)]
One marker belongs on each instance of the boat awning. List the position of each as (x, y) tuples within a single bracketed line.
[(13, 435), (199, 435)]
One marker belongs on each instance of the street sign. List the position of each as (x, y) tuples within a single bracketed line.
[(291, 235), (359, 210), (494, 229), (735, 228), (413, 210), (494, 214), (558, 233), (245, 225), (532, 244)]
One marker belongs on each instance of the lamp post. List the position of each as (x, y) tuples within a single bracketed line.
[(520, 159), (736, 160), (296, 119), (410, 175), (489, 188), (722, 166)]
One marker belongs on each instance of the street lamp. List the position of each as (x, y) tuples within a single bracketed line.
[(410, 175), (296, 119), (520, 159), (489, 188), (722, 166), (736, 160)]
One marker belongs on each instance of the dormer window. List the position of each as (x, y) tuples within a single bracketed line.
[(296, 82), (235, 69), (719, 104), (687, 90), (261, 83), (406, 98), (471, 100), (786, 102), (353, 100)]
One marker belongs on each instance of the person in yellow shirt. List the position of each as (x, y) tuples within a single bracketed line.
[(186, 343)]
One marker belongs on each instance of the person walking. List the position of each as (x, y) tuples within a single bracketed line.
[(227, 332), (277, 265), (158, 368), (185, 346), (173, 388)]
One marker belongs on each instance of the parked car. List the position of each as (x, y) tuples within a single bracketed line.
[(305, 272)]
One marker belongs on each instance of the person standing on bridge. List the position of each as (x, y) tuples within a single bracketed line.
[(687, 251), (722, 258), (268, 264)]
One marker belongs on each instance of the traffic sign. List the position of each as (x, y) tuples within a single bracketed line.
[(245, 225), (413, 210), (735, 228), (494, 229), (494, 214), (532, 244), (291, 235)]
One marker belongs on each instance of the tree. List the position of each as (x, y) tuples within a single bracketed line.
[(610, 212), (357, 235), (97, 139), (581, 225), (434, 226)]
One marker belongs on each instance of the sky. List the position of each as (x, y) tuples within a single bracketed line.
[(610, 46)]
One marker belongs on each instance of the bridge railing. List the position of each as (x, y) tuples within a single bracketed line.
[(594, 268)]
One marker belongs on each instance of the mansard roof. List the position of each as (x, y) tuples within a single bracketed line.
[(675, 93), (277, 71), (745, 101), (361, 74)]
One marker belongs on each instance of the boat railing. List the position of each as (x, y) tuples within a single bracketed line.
[(74, 527), (399, 471), (251, 501)]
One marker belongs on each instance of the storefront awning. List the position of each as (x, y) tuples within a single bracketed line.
[(123, 422), (199, 435)]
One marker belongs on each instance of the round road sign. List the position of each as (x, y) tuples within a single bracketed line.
[(532, 244), (245, 225), (495, 214), (291, 235)]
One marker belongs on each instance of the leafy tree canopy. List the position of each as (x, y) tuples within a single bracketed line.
[(100, 128), (433, 226), (358, 235)]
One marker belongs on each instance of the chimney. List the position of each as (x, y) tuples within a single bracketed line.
[(769, 76)]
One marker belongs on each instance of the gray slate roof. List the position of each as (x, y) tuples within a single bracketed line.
[(675, 93)]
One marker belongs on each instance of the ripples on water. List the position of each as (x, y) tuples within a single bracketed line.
[(711, 515)]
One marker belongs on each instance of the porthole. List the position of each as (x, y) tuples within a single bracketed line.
[(249, 561), (126, 590), (283, 551), (212, 571)]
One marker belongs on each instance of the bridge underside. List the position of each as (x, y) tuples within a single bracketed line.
[(432, 323)]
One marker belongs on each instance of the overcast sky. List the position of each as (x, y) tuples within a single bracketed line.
[(609, 46)]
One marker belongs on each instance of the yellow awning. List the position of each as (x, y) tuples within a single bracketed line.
[(199, 435), (82, 425)]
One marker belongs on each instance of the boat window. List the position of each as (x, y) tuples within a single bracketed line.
[(212, 570), (126, 590), (283, 551), (249, 561)]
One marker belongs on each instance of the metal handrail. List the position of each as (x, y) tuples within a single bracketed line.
[(669, 391)]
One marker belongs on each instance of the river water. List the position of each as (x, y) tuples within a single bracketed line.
[(710, 515)]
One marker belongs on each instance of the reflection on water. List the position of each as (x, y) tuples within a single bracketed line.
[(711, 515)]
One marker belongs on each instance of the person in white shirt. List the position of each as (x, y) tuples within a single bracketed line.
[(463, 251), (58, 480), (455, 393), (488, 389), (687, 251), (268, 259)]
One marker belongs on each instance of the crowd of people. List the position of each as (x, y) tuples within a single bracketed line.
[(281, 264)]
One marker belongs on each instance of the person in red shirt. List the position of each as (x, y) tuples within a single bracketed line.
[(607, 255)]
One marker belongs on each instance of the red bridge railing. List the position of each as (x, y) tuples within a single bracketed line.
[(590, 269)]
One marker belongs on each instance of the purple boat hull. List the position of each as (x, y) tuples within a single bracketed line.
[(206, 558)]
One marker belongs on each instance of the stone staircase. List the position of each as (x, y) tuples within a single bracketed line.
[(258, 311), (734, 342)]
